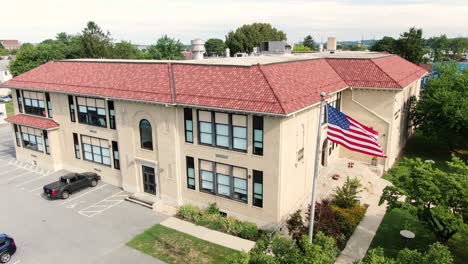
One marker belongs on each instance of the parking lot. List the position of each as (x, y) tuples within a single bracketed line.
[(92, 226)]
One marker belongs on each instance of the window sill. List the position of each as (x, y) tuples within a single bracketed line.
[(225, 197), (223, 148), (100, 164)]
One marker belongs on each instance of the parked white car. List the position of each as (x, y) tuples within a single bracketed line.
[(5, 99)]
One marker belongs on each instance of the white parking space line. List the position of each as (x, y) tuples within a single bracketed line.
[(19, 175), (103, 205), (79, 196), (8, 171), (35, 189), (32, 180), (17, 262)]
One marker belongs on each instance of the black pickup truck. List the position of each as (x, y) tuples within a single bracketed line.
[(71, 183)]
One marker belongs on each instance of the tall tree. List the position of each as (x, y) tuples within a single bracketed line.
[(215, 47), (3, 51), (125, 50), (387, 44), (166, 48), (438, 198), (459, 46), (248, 36), (72, 43), (95, 43), (29, 56), (439, 46), (442, 111), (410, 45), (309, 42)]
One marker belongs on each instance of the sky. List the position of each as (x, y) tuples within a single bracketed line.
[(144, 21)]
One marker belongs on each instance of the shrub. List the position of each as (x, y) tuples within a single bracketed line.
[(347, 195), (248, 230), (188, 212), (232, 226), (437, 254), (349, 218), (296, 226), (212, 209), (326, 221)]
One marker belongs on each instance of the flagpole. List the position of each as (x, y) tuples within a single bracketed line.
[(316, 166)]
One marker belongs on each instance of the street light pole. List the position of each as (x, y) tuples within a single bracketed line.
[(316, 166)]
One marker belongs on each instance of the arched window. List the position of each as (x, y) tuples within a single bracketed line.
[(146, 135)]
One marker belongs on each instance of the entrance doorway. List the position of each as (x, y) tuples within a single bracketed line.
[(149, 180)]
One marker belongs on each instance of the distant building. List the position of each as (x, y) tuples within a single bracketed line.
[(10, 44), (275, 47), (5, 75)]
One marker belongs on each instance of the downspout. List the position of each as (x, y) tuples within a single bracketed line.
[(376, 115)]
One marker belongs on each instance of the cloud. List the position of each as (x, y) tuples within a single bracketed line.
[(143, 21)]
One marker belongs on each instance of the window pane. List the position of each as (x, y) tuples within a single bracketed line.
[(191, 173), (191, 182), (240, 143), (258, 145), (190, 136), (205, 127), (101, 111), (258, 188), (223, 179), (97, 158), (82, 109), (87, 147), (258, 135), (240, 183), (207, 185), (116, 155), (105, 152), (224, 190), (207, 176), (34, 103), (222, 141), (88, 156), (39, 140), (206, 138), (189, 125), (106, 160), (96, 150), (240, 132), (222, 129)]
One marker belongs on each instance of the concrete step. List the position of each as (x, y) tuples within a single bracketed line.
[(138, 200)]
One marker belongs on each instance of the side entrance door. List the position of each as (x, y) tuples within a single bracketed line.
[(149, 180)]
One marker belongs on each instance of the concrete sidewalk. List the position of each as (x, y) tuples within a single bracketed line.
[(358, 244), (212, 236)]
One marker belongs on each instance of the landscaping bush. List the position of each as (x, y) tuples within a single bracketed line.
[(296, 227), (349, 218), (437, 254), (212, 219), (188, 212), (347, 195)]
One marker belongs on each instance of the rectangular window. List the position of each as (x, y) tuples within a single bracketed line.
[(91, 111), (46, 142), (222, 130), (257, 188), (206, 176), (115, 152), (188, 124), (96, 150), (110, 106), (18, 135), (223, 180), (258, 135), (19, 98), (190, 172), (77, 146), (49, 105), (71, 108), (34, 103), (32, 138)]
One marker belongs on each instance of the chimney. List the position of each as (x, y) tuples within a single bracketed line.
[(198, 49), (331, 44)]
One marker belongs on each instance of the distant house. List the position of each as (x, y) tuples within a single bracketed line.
[(10, 44), (5, 75)]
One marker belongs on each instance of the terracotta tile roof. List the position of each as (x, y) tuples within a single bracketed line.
[(32, 121), (276, 88), (385, 72)]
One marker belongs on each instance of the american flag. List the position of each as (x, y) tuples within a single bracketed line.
[(351, 134)]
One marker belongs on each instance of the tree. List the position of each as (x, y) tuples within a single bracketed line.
[(248, 36), (72, 43), (94, 42), (440, 46), (215, 47), (386, 44), (282, 250), (438, 198), (309, 42), (459, 46), (166, 48), (3, 51), (410, 45), (126, 50), (437, 254), (442, 111), (29, 56), (301, 48)]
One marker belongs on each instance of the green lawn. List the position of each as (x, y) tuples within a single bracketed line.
[(9, 108), (388, 236), (172, 246)]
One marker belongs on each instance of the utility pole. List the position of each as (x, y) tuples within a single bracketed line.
[(316, 166)]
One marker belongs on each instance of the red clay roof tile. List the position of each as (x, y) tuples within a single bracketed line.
[(32, 121)]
